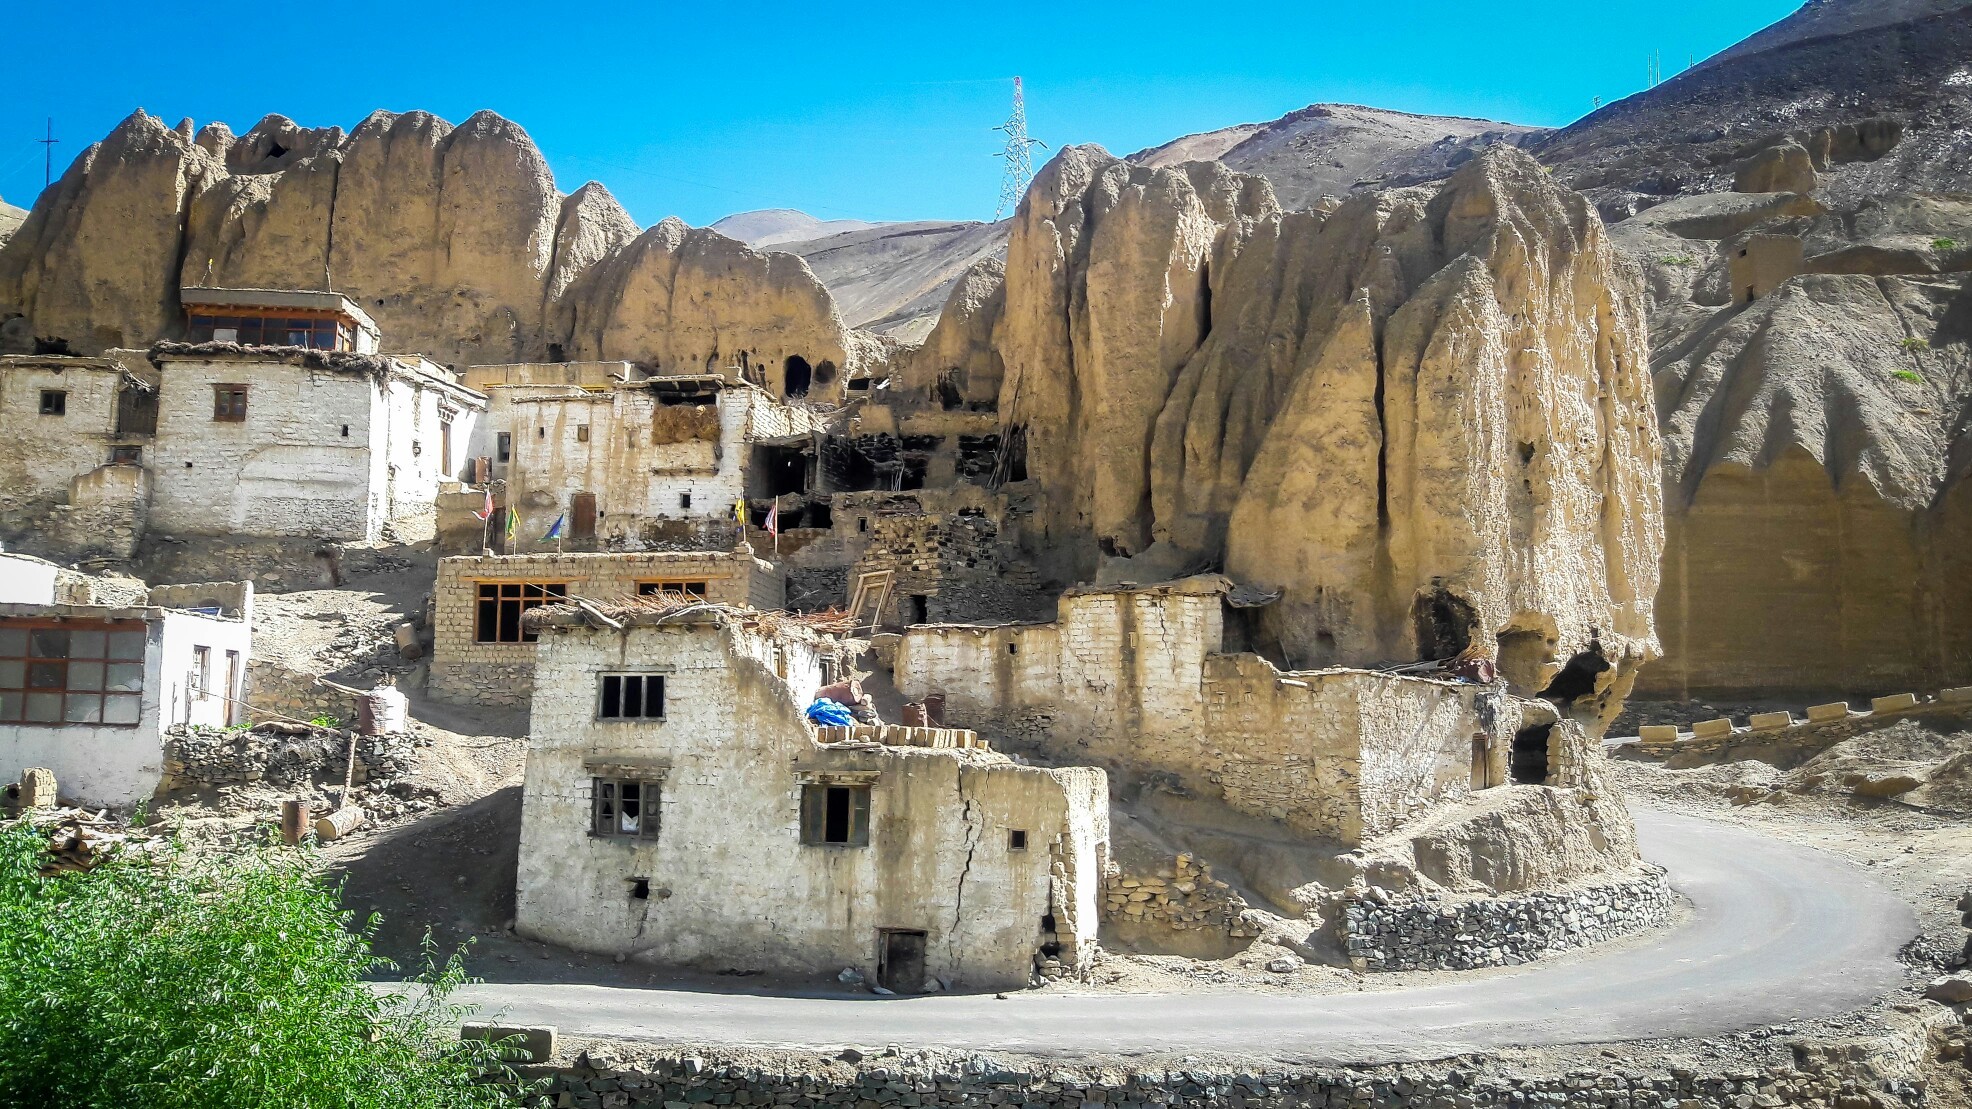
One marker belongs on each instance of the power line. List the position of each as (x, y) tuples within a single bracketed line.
[(1017, 154)]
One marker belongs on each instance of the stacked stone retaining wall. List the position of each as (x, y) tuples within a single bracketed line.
[(206, 758), (1398, 933), (1862, 1075)]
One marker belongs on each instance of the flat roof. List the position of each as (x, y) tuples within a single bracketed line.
[(200, 296)]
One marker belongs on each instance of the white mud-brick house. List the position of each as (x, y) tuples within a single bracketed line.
[(679, 809), (629, 461), (302, 442), (483, 653), (87, 691)]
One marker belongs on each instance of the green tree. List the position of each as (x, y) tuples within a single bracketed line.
[(179, 979)]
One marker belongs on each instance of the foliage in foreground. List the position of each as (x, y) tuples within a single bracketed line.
[(178, 980)]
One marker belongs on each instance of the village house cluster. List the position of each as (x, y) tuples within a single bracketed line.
[(669, 571)]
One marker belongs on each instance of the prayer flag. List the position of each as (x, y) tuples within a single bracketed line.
[(555, 531), (513, 523), (487, 512), (774, 519)]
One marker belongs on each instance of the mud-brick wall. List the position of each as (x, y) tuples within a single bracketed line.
[(502, 674)]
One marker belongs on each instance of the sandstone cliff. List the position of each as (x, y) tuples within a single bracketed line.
[(1424, 417), (454, 239)]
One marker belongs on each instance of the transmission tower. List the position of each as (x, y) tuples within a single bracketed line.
[(1017, 155)]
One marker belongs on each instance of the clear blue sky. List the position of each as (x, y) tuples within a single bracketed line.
[(872, 111)]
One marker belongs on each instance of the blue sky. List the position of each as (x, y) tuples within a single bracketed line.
[(871, 111)]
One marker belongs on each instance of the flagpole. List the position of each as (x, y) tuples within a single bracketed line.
[(777, 525)]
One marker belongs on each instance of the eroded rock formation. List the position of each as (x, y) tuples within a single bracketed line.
[(453, 238), (1423, 417)]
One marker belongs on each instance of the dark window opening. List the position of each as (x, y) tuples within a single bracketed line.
[(581, 433), (780, 471), (1482, 762), (1749, 294), (835, 815), (1013, 648), (625, 807), (54, 402), (229, 403), (862, 523), (126, 456), (1047, 922), (821, 514), (556, 354), (949, 396), (502, 604), (684, 500), (1528, 764), (1577, 679), (920, 609), (673, 589), (1017, 839), (503, 446), (318, 332), (1443, 624), (631, 697), (640, 888), (795, 376)]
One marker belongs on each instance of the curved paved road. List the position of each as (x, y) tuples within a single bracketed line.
[(1778, 933)]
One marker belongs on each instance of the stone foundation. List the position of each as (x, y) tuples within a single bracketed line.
[(203, 758), (1395, 933)]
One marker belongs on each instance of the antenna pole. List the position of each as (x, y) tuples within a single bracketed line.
[(48, 154), (1017, 154)]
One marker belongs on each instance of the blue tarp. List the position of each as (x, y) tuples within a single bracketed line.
[(830, 713)]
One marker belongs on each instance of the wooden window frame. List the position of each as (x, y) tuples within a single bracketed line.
[(510, 595), (606, 816), (695, 589), (28, 671), (824, 823), (229, 403), (612, 700), (60, 407)]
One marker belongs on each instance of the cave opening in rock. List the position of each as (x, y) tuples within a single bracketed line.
[(275, 150), (1577, 679), (1528, 762), (1443, 622), (796, 375), (949, 396), (824, 372)]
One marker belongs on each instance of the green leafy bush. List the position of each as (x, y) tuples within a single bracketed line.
[(1907, 375), (326, 721), (1915, 345), (177, 980), (1944, 245), (1678, 260)]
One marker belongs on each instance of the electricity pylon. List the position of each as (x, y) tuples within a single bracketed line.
[(1017, 155)]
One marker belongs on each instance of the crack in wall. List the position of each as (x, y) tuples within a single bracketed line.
[(958, 900)]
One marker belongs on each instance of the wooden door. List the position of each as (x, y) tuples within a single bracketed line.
[(582, 516), (901, 967)]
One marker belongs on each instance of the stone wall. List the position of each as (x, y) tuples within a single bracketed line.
[(209, 758), (1380, 932), (1861, 1074), (1180, 896), (273, 688)]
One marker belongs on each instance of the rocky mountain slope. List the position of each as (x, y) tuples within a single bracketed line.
[(1335, 149), (454, 239), (10, 219), (1801, 207), (1361, 408)]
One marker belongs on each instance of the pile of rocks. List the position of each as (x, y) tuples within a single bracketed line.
[(1182, 894), (1385, 931)]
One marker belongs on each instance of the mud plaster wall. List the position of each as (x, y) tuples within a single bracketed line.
[(42, 454), (1133, 681), (733, 886), (463, 669), (289, 468)]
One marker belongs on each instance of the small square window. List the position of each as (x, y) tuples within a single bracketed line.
[(503, 446), (1017, 839), (581, 433), (835, 815), (229, 403), (626, 807), (54, 402), (862, 523), (684, 500), (631, 697), (126, 456)]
